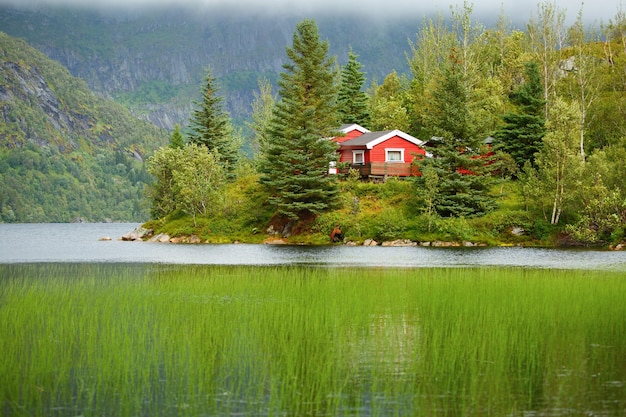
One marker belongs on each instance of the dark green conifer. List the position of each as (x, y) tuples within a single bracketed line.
[(297, 153), (522, 135), (458, 159), (211, 127), (352, 101)]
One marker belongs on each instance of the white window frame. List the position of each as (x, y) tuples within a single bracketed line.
[(388, 150), (354, 156)]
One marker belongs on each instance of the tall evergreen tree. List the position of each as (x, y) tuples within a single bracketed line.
[(521, 136), (210, 126), (296, 157), (463, 181), (352, 101)]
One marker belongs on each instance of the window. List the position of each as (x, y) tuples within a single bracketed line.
[(358, 157), (394, 155)]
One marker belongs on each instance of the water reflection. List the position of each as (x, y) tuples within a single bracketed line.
[(20, 243)]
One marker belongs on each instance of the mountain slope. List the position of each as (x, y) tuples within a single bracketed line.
[(65, 153), (154, 62)]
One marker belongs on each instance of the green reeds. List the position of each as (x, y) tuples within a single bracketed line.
[(129, 340)]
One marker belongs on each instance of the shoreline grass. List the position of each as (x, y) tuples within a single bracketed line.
[(128, 340)]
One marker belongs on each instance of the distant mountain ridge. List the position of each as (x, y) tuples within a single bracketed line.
[(155, 62)]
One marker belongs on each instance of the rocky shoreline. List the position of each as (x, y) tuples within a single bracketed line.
[(141, 234)]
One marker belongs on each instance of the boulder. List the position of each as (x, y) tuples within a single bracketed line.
[(370, 242), (140, 233), (400, 242), (160, 238), (518, 231)]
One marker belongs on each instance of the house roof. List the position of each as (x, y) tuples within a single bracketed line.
[(371, 139), (352, 126)]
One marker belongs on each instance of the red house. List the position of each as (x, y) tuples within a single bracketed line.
[(378, 154)]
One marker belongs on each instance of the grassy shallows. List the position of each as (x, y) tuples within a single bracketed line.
[(203, 340)]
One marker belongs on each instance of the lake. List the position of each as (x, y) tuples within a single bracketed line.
[(78, 242), (91, 327)]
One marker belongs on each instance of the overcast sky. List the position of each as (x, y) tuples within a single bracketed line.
[(593, 10)]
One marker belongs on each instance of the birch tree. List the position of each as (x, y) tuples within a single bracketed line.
[(586, 88), (262, 108), (558, 163), (546, 38)]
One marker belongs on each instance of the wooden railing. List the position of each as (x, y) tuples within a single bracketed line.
[(385, 169)]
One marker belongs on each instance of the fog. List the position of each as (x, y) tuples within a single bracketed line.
[(596, 11)]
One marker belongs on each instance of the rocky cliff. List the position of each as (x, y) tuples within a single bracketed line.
[(154, 63)]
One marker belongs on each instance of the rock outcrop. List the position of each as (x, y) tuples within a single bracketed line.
[(139, 234)]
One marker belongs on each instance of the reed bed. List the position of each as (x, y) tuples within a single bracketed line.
[(159, 340)]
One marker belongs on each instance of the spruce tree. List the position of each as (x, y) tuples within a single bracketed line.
[(521, 136), (297, 153), (352, 101), (176, 140), (210, 126), (463, 181)]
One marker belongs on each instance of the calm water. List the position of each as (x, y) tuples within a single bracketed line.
[(26, 243), (95, 327)]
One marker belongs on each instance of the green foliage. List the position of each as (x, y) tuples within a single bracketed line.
[(559, 163), (241, 213), (262, 110), (210, 126), (523, 131), (177, 140), (463, 179), (352, 101), (389, 224), (189, 179), (43, 185), (387, 104), (296, 157), (602, 215), (66, 154)]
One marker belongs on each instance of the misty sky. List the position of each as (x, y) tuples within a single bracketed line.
[(593, 10)]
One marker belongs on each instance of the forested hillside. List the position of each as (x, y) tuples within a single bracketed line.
[(65, 153), (154, 61)]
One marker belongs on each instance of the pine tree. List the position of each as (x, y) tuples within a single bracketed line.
[(463, 181), (210, 126), (296, 157), (176, 140), (521, 136), (352, 101)]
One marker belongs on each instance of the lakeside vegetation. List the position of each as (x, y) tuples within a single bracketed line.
[(552, 175), (366, 210), (105, 339)]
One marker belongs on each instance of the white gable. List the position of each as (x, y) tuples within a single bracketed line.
[(389, 135), (349, 128)]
